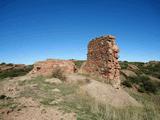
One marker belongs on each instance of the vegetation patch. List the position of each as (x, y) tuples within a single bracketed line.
[(7, 102), (15, 72), (79, 63), (149, 68), (142, 83)]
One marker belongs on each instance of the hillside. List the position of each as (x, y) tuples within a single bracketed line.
[(13, 70), (71, 97), (136, 73)]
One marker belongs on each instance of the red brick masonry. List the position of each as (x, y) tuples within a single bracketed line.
[(102, 59), (46, 68)]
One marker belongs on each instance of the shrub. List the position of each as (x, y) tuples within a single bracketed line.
[(9, 64), (144, 83), (127, 83), (123, 65), (149, 86), (59, 73), (151, 69)]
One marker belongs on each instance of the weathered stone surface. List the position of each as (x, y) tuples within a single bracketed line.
[(102, 59), (46, 68)]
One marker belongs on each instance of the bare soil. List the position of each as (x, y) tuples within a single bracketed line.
[(16, 106)]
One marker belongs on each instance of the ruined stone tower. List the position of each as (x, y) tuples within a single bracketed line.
[(102, 59)]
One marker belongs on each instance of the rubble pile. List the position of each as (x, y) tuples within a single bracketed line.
[(46, 68)]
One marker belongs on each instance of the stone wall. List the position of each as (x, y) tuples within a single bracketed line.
[(102, 59), (46, 68)]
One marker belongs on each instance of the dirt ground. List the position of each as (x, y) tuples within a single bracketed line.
[(39, 98), (15, 104)]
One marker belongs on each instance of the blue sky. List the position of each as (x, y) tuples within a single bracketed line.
[(32, 30)]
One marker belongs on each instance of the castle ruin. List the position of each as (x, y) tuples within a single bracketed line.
[(102, 59)]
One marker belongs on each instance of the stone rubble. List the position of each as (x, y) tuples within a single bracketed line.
[(46, 68)]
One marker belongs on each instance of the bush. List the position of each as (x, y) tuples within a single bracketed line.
[(59, 73), (127, 83), (151, 69), (10, 64), (144, 83), (123, 65), (149, 86)]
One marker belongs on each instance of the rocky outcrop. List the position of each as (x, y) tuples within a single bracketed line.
[(46, 68), (102, 59)]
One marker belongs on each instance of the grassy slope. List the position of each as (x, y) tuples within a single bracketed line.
[(143, 82), (149, 68), (86, 108)]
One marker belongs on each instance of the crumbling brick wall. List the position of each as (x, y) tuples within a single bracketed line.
[(46, 68), (102, 59)]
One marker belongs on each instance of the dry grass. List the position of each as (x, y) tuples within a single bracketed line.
[(89, 109), (86, 108), (59, 73)]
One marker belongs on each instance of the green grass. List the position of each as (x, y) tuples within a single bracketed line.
[(149, 68), (124, 64), (144, 84)]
